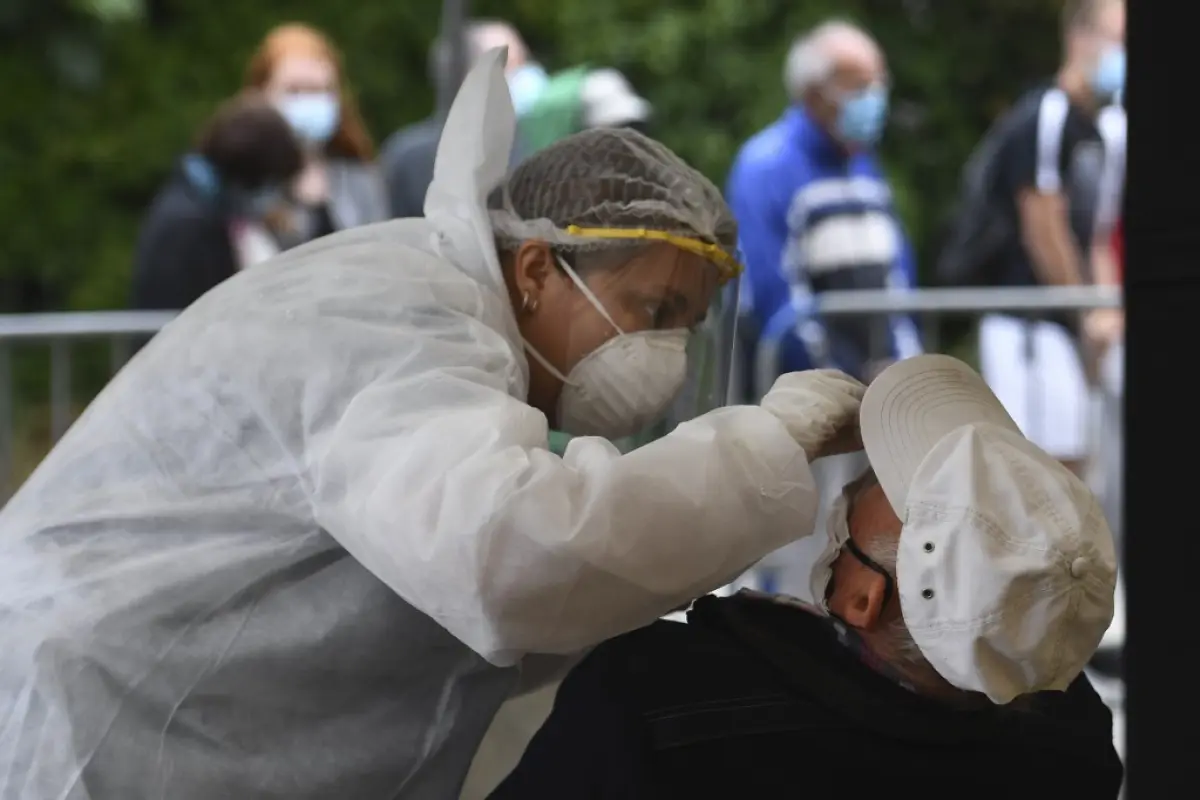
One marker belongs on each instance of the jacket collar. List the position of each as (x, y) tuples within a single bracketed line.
[(811, 137)]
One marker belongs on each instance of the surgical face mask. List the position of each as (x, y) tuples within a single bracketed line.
[(1108, 77), (624, 384), (862, 115), (314, 116), (525, 85)]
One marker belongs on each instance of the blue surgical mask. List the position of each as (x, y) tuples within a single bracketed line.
[(1108, 78), (862, 116), (313, 116), (525, 85)]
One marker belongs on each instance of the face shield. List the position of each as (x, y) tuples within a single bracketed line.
[(710, 357), (630, 299), (640, 334), (709, 345)]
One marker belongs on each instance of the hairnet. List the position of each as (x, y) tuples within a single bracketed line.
[(609, 179)]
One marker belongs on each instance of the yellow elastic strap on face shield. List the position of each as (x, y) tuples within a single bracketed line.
[(728, 265)]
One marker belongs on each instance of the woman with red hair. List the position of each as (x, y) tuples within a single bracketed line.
[(300, 71)]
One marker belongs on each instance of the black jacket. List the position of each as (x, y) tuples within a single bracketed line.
[(183, 248), (407, 159), (755, 700)]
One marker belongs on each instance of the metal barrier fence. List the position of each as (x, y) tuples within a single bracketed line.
[(931, 307), (59, 333)]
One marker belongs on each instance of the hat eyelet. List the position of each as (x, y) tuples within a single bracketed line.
[(927, 594), (929, 547)]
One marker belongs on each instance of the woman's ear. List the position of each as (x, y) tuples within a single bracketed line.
[(532, 264)]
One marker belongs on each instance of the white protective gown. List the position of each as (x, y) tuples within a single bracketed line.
[(297, 545)]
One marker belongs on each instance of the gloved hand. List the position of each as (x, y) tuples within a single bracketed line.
[(820, 410)]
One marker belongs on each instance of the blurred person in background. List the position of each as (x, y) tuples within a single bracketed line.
[(341, 187), (815, 212), (581, 98), (210, 221), (1039, 179), (964, 583), (303, 543), (409, 153)]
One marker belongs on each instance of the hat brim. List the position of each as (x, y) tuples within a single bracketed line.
[(614, 112), (911, 406)]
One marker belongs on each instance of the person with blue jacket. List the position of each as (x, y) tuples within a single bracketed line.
[(815, 214)]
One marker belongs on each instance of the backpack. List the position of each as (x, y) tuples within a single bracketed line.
[(978, 229)]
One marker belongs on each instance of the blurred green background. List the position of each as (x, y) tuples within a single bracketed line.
[(102, 95)]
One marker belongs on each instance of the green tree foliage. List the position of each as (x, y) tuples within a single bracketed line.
[(101, 96)]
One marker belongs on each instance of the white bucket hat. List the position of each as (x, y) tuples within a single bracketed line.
[(1006, 569)]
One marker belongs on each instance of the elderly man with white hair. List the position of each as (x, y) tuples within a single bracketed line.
[(964, 582), (815, 212)]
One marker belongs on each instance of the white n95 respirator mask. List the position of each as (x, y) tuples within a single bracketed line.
[(625, 384)]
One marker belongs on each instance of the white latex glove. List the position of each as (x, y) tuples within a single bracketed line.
[(820, 410)]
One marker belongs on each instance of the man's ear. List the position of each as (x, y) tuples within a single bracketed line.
[(858, 595), (532, 266)]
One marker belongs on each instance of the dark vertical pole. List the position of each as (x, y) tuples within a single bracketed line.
[(453, 34), (1162, 295)]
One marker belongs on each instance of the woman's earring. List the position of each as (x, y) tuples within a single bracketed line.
[(528, 307)]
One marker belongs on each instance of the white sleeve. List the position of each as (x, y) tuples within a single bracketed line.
[(1112, 184), (440, 484), (1051, 121)]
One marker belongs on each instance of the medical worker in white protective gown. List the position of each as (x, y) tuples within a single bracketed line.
[(301, 544)]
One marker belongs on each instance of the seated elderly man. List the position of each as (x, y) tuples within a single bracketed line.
[(966, 581)]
